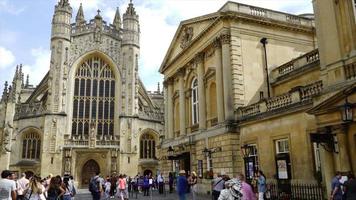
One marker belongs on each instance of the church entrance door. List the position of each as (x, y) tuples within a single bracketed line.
[(89, 169)]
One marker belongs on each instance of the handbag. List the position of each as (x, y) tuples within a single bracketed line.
[(25, 196)]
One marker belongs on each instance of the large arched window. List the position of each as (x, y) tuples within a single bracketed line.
[(94, 98), (31, 146), (195, 104), (147, 147)]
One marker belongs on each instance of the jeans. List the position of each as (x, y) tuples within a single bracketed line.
[(182, 196), (216, 194), (67, 197), (96, 196)]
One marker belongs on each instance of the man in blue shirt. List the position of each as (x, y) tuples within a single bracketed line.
[(182, 185), (336, 192)]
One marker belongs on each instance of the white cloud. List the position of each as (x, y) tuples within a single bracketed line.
[(7, 58), (6, 6), (38, 69)]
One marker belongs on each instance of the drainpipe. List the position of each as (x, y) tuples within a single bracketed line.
[(264, 42)]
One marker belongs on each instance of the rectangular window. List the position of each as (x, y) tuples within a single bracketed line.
[(282, 146)]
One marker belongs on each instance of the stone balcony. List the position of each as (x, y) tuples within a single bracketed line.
[(267, 14), (26, 110), (296, 66), (300, 95)]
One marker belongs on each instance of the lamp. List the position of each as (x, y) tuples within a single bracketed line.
[(206, 152), (347, 112), (246, 150), (170, 151)]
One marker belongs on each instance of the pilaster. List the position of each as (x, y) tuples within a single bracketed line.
[(181, 73), (170, 121), (219, 80), (227, 75), (199, 61)]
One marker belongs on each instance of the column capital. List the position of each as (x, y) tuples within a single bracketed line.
[(168, 81), (217, 43), (225, 38), (199, 57)]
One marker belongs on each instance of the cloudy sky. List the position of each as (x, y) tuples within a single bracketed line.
[(25, 29)]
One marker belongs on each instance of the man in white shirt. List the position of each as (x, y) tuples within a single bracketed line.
[(160, 181), (7, 186), (21, 186)]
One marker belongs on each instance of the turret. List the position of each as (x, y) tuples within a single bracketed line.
[(61, 21), (117, 20), (131, 26), (79, 19)]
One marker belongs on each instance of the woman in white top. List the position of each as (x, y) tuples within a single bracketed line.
[(34, 189)]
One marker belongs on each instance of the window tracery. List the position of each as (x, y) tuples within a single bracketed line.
[(94, 98), (31, 146), (147, 147)]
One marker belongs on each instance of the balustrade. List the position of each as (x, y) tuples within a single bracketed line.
[(295, 96), (350, 71), (298, 63)]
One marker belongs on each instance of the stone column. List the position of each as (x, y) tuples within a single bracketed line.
[(201, 90), (219, 81), (227, 76), (181, 73), (170, 121)]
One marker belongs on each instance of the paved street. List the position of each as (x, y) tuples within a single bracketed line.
[(85, 195)]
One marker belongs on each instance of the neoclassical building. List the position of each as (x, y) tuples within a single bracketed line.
[(90, 111), (216, 64)]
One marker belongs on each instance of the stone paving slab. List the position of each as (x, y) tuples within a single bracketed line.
[(85, 195)]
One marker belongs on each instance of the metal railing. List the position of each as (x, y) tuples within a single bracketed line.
[(297, 191)]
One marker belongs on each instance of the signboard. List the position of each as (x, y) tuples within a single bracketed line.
[(282, 169), (200, 168)]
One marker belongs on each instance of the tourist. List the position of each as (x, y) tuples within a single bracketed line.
[(350, 188), (160, 181), (21, 186), (193, 180), (72, 186), (146, 186), (107, 187), (7, 186), (95, 186), (67, 187), (182, 185), (113, 185), (246, 189), (121, 187), (55, 191), (232, 190), (170, 182), (34, 189), (336, 192), (217, 186), (261, 184)]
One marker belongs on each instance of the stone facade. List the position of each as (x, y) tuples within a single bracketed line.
[(214, 66), (91, 111)]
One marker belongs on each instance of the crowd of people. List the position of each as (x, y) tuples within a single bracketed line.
[(32, 187)]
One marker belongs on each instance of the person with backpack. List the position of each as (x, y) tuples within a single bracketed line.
[(95, 186), (67, 188), (122, 187), (34, 189), (217, 185)]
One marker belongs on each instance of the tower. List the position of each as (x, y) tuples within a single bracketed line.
[(57, 81), (130, 55)]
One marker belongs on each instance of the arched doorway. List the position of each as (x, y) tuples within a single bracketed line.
[(89, 169), (147, 172)]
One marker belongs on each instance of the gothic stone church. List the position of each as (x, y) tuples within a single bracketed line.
[(90, 111)]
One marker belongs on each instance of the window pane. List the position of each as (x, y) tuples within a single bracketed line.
[(100, 110), (87, 108), (112, 89), (38, 149), (95, 88), (74, 128), (93, 109), (107, 88), (82, 87), (24, 148), (101, 88), (76, 87), (88, 87)]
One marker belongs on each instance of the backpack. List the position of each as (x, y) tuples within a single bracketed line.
[(93, 185)]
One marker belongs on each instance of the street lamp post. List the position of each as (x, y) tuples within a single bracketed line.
[(246, 151)]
